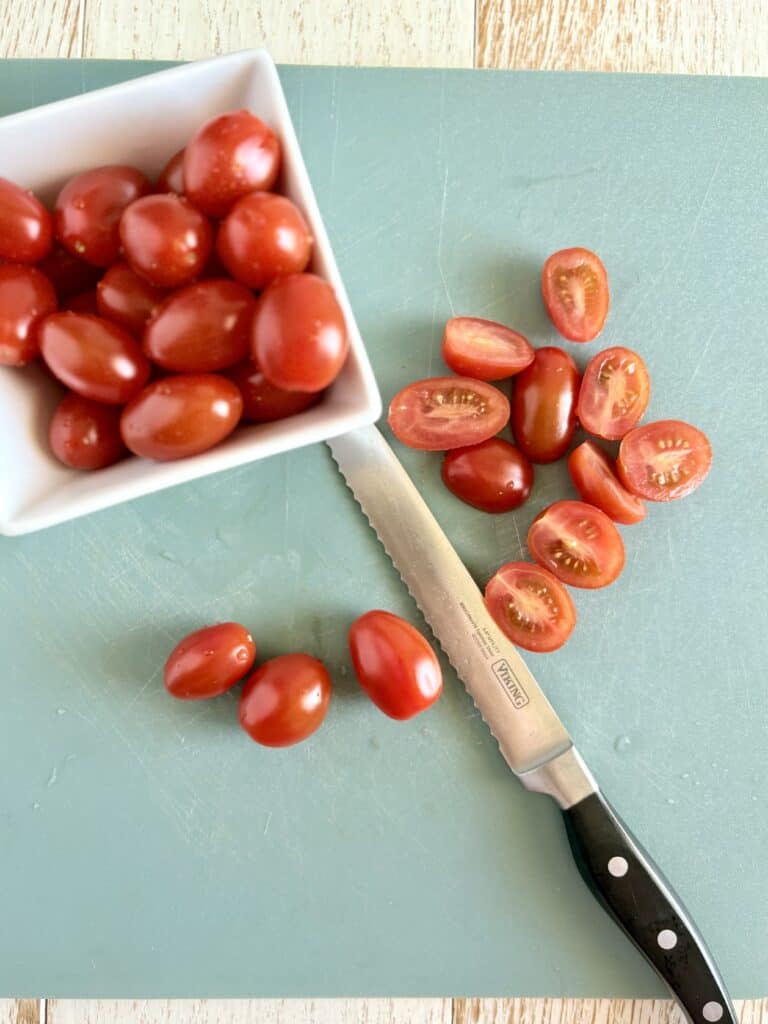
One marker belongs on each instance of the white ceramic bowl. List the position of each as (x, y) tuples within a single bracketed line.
[(143, 122)]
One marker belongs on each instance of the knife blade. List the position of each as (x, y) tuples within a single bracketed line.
[(531, 737)]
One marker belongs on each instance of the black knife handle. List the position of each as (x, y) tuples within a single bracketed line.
[(634, 892)]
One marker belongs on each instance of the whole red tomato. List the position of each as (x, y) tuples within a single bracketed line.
[(26, 229), (26, 296), (85, 434), (262, 401), (394, 664), (68, 274), (493, 476), (209, 661), (544, 405), (264, 236), (165, 240), (127, 299), (285, 700)]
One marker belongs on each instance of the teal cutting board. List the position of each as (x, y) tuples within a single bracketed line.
[(148, 848)]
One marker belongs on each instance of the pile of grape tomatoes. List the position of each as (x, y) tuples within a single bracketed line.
[(171, 311), (571, 542), (286, 698)]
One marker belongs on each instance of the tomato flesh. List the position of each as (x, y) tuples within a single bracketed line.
[(209, 661), (165, 239), (530, 606), (127, 299), (26, 296), (262, 401), (484, 349), (614, 393), (594, 477), (544, 405), (85, 434), (264, 236), (179, 416), (26, 228), (493, 476), (441, 413), (285, 700), (394, 664), (665, 460), (578, 543), (574, 286)]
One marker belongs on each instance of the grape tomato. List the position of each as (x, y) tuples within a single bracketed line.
[(578, 543), (441, 413), (26, 297), (530, 606), (484, 349), (209, 661)]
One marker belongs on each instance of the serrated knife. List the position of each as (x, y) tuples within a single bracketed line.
[(533, 740)]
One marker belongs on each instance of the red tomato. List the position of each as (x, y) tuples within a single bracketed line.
[(484, 349), (530, 606), (493, 476), (544, 405), (127, 299), (85, 434), (262, 401), (578, 543), (614, 393), (299, 335), (574, 285), (26, 229), (394, 664), (285, 700), (93, 357), (171, 177), (205, 326), (68, 274), (664, 460), (264, 236), (594, 477), (183, 415), (85, 302), (165, 239), (228, 157), (26, 296), (89, 208), (209, 661), (447, 412)]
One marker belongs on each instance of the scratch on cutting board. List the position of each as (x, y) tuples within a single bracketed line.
[(266, 823), (337, 122)]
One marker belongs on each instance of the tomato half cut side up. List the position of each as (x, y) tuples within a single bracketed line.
[(484, 349), (578, 543), (530, 606), (614, 393), (441, 413), (664, 461), (594, 477), (574, 286)]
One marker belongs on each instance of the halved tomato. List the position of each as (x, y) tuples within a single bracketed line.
[(530, 606), (664, 460), (447, 412), (578, 543), (614, 393), (594, 477), (574, 286), (484, 349)]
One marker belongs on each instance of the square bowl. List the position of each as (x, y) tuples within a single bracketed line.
[(143, 122)]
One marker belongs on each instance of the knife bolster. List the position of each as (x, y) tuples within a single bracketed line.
[(565, 778)]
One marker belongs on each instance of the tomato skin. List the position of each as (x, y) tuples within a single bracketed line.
[(594, 477), (493, 476), (530, 606), (26, 296), (181, 415), (664, 461), (84, 434), (264, 236), (578, 543), (285, 700), (85, 302), (203, 327), (228, 157), (165, 240), (614, 393), (209, 661), (441, 413), (89, 207), (484, 349), (171, 178), (262, 401), (574, 285), (93, 357), (299, 335), (127, 299), (26, 228), (394, 664), (68, 274), (544, 405)]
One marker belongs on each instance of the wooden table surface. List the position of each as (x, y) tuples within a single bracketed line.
[(688, 36)]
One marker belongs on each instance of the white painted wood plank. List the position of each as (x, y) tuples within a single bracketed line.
[(588, 1011), (21, 1011), (45, 28), (401, 32)]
